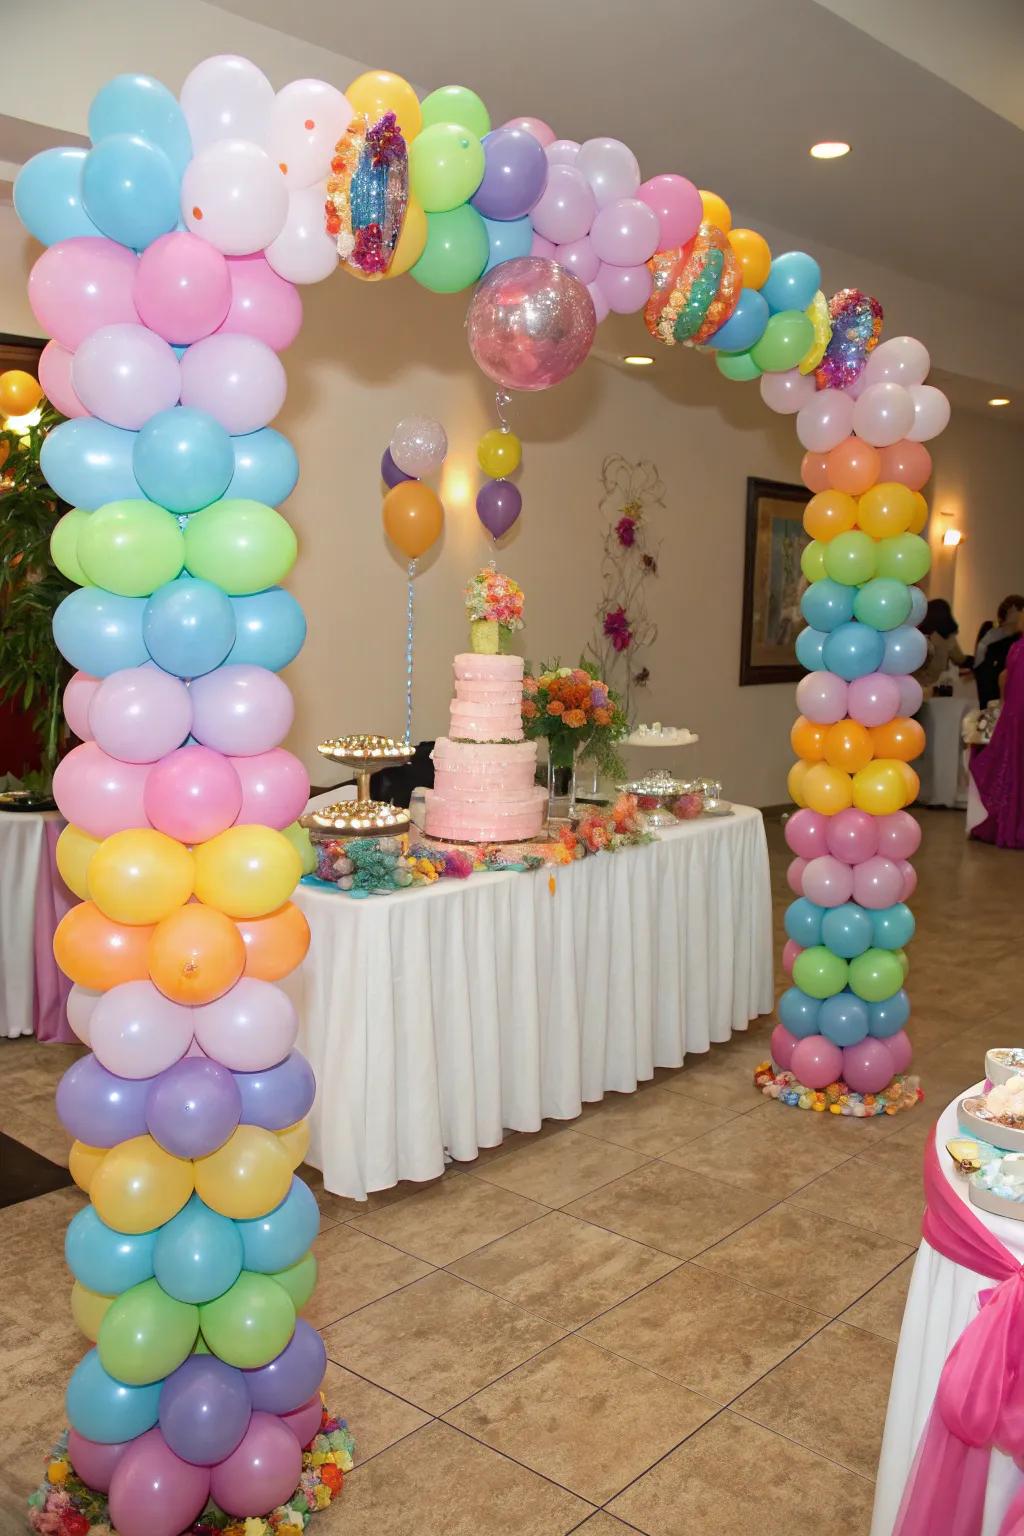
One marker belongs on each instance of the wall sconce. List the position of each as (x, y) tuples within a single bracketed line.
[(951, 538)]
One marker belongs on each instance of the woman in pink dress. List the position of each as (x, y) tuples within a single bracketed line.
[(998, 769)]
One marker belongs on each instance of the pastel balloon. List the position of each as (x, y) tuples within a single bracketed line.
[(261, 303), (307, 118), (80, 1005), (124, 374), (234, 196), (304, 1421), (499, 453), (498, 504), (810, 648), (884, 414), (130, 547), (900, 360), (873, 699), (899, 835), (455, 252), (909, 874), (236, 379), (909, 463), (78, 693), (905, 650), (48, 197), (146, 1334), (97, 953), (788, 392), (107, 1411), (808, 739), (292, 1377), (790, 950), (602, 308), (852, 466), (625, 232), (844, 1018), (625, 289), (89, 462), (893, 927), (852, 836), (826, 604), (900, 1051), (155, 1493), (868, 1066), (899, 738), (880, 789), (182, 288), (182, 459), (803, 921), (812, 561), (138, 104), (195, 956), (610, 169), (911, 692), (192, 1111), (744, 327), (885, 509), (793, 280), (876, 975), (918, 609), (781, 1046), (303, 251), (74, 852), (877, 883), (446, 166), (883, 602), (247, 871), (275, 788), (851, 557), (825, 420), (266, 468), (846, 930), (418, 445), (904, 557), (55, 378), (677, 204), (276, 944), (130, 189), (822, 697), (81, 284), (799, 1011), (279, 1238), (205, 1410), (819, 973), (250, 1028), (814, 471), (853, 650), (105, 1260), (99, 793), (456, 104), (227, 97), (828, 883), (83, 1161), (197, 1255), (263, 1470), (241, 710), (136, 1032), (251, 1323), (889, 1016), (189, 627), (138, 1186), (240, 546), (566, 208), (544, 135), (279, 1096), (795, 875), (508, 239), (94, 1463), (816, 1062), (787, 337), (295, 1140), (140, 714), (378, 91)]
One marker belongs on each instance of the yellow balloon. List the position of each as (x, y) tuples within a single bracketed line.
[(295, 1140), (795, 782), (411, 241), (716, 211), (140, 876), (886, 509), (911, 781), (83, 1161), (920, 515), (379, 91), (753, 254), (827, 789), (499, 453), (246, 871), (89, 1308), (139, 1186), (818, 314), (246, 1177), (881, 787), (75, 849)]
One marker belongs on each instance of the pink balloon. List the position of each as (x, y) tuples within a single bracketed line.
[(911, 694), (795, 876), (874, 699), (579, 258), (252, 1027), (530, 323), (601, 307), (908, 875), (236, 379), (155, 1493), (192, 794), (125, 374), (535, 125), (782, 1046), (900, 360), (816, 1062), (899, 835), (77, 697), (827, 882), (566, 208), (931, 412), (611, 169), (825, 420), (546, 249), (241, 709), (140, 714), (852, 835), (901, 1052), (877, 883), (678, 205), (136, 1032), (867, 1066), (625, 233), (821, 696), (262, 1472), (806, 833), (626, 289), (562, 152), (883, 415), (275, 788), (182, 290), (98, 793), (263, 304), (55, 378), (857, 386), (304, 1421), (787, 392), (95, 1463), (909, 463), (790, 950), (80, 284), (80, 1005)]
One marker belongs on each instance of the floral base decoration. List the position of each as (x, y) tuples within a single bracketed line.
[(838, 1098), (63, 1505), (624, 628), (494, 607)]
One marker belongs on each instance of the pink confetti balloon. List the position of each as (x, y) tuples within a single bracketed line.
[(530, 324)]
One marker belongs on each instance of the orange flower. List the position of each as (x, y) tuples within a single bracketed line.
[(332, 1476), (529, 709), (574, 718), (602, 717), (556, 707)]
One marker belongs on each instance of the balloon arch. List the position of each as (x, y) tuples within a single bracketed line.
[(174, 246)]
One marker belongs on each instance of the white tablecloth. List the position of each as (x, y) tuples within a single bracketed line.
[(22, 850), (941, 765), (436, 1018), (941, 1302)]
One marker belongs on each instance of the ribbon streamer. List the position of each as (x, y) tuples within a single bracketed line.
[(410, 635)]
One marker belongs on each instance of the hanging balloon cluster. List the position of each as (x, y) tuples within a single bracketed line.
[(499, 454)]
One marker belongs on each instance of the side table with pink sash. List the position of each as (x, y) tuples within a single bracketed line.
[(33, 899), (954, 1431)]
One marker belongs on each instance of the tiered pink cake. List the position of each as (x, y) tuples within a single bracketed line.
[(484, 789)]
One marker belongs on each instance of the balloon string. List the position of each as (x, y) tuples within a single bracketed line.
[(502, 399), (410, 630)]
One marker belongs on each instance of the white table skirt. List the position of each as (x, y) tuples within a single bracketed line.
[(437, 1018), (22, 850), (941, 1302), (941, 765)]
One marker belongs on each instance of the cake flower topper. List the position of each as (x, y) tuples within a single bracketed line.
[(494, 604)]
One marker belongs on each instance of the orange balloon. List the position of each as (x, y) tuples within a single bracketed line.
[(920, 518), (848, 746), (752, 253), (795, 782), (808, 739), (827, 789), (195, 954), (413, 517), (852, 466), (910, 779), (814, 471), (275, 944), (886, 509), (19, 392), (909, 463), (829, 513), (716, 211), (900, 738), (98, 953)]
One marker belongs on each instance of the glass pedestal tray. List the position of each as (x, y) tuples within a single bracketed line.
[(364, 816)]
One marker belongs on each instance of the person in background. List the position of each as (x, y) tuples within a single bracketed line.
[(943, 646), (983, 629), (992, 649), (995, 810)]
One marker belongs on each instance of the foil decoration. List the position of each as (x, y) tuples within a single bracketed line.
[(696, 288), (856, 326), (367, 194)]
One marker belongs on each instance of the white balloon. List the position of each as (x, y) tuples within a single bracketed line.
[(419, 445), (227, 97), (81, 1002), (611, 168), (900, 360), (303, 252), (234, 197), (884, 414), (787, 392), (306, 121), (931, 412), (824, 420)]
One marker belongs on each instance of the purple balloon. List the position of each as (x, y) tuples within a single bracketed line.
[(278, 1096), (293, 1376), (868, 1066), (515, 174), (498, 504), (625, 233), (100, 1109), (204, 1410), (566, 210), (140, 714), (241, 710), (193, 1107), (579, 258), (390, 472)]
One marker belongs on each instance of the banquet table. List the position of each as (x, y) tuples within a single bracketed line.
[(33, 899), (437, 1018), (942, 766), (942, 1300)]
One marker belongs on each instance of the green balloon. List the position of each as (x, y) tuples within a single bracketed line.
[(820, 973), (812, 561), (456, 104), (786, 339), (904, 960), (298, 1281), (200, 1347), (905, 557), (130, 547), (251, 1323), (64, 546), (456, 251), (874, 975), (737, 365), (446, 165), (241, 546), (850, 557), (300, 841), (883, 603), (146, 1334)]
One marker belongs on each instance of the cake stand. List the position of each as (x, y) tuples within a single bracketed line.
[(362, 817)]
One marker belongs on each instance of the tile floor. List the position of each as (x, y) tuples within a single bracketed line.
[(676, 1315)]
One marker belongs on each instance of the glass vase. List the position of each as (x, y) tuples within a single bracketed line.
[(562, 787)]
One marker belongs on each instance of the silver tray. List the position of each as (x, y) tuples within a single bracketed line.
[(998, 1071), (970, 1113)]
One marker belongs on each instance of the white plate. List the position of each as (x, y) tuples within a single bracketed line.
[(997, 1070), (976, 1123)]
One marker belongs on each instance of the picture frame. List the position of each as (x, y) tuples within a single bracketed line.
[(21, 352), (772, 582)]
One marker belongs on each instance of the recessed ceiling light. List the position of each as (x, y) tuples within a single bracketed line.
[(639, 360), (830, 149), (999, 400)]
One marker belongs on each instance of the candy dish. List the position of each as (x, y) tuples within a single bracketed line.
[(1003, 1062)]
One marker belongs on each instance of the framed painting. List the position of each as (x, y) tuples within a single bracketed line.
[(20, 352), (772, 582)]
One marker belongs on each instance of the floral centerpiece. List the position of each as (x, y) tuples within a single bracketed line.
[(494, 604), (578, 715)]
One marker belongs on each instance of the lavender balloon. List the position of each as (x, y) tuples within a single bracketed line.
[(515, 174), (498, 504), (205, 1410), (193, 1107), (390, 472), (100, 1109), (241, 710), (293, 1376), (278, 1096)]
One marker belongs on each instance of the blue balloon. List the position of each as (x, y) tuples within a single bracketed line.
[(883, 603), (799, 1012), (826, 604), (793, 280), (803, 922), (130, 189), (744, 326), (89, 463), (106, 1410), (188, 626), (183, 459), (281, 1238), (893, 926), (197, 1254), (138, 104), (99, 632), (48, 196), (265, 467), (506, 239), (906, 649), (104, 1260), (918, 606), (270, 629), (843, 1019), (847, 931), (809, 645), (853, 650), (889, 1016)]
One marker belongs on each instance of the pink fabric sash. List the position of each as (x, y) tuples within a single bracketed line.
[(50, 1019), (979, 1405)]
